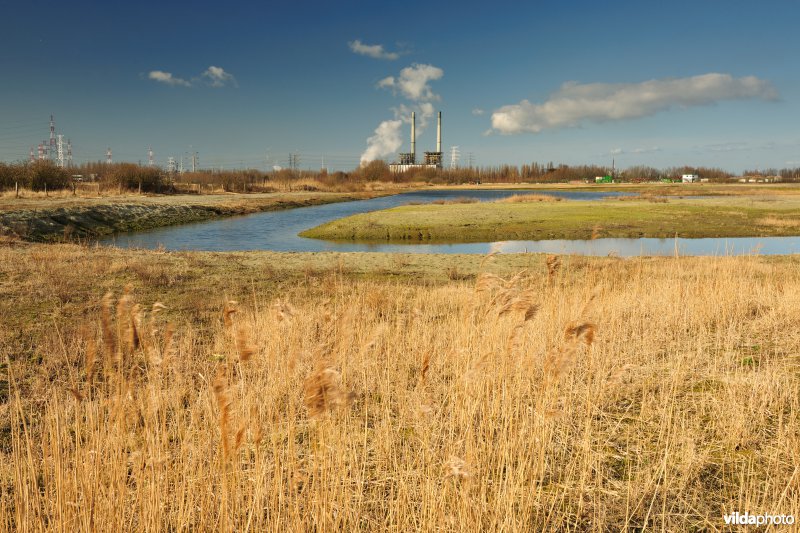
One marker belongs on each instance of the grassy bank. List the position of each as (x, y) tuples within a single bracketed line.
[(364, 392), (60, 218), (650, 216), (662, 189)]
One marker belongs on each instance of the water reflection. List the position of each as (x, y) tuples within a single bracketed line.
[(277, 231)]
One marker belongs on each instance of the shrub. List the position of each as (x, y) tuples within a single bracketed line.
[(35, 176), (133, 177)]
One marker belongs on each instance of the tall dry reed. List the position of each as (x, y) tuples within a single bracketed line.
[(643, 394)]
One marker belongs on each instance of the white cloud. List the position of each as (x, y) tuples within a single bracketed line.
[(385, 141), (217, 77), (386, 83), (167, 78), (213, 76), (371, 50), (574, 104), (646, 150), (642, 150), (478, 111), (734, 147), (414, 82)]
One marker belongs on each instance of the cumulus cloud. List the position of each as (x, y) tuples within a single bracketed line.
[(217, 77), (574, 104), (167, 78), (414, 82), (371, 50)]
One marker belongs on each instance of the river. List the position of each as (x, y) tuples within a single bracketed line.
[(278, 231)]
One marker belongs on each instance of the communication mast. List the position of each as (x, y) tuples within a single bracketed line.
[(69, 153), (32, 158), (108, 157), (150, 160)]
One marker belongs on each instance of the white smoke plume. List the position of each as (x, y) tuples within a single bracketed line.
[(413, 84), (386, 140), (574, 104)]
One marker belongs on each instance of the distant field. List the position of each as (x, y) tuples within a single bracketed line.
[(647, 216), (369, 392)]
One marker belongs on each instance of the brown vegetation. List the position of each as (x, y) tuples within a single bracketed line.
[(119, 178), (581, 394), (648, 196), (529, 198)]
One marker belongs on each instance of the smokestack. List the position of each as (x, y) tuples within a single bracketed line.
[(439, 134), (413, 137)]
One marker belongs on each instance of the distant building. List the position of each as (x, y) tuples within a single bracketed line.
[(690, 178)]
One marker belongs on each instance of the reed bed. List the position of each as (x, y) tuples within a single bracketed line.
[(582, 396), (645, 196), (458, 200), (529, 198)]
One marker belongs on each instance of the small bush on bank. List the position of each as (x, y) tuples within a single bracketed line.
[(36, 176), (133, 177)]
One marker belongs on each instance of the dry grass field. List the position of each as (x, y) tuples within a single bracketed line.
[(526, 394)]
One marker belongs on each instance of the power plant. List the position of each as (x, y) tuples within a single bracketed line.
[(408, 161)]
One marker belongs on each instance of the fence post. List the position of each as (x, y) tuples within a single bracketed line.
[(16, 189), (45, 188)]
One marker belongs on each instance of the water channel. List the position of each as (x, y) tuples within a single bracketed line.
[(278, 231)]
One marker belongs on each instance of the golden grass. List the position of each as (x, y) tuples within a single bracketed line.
[(776, 222), (647, 196), (528, 198), (581, 394)]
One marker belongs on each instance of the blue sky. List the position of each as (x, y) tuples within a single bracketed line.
[(663, 84)]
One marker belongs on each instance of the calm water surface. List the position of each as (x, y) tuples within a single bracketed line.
[(277, 231)]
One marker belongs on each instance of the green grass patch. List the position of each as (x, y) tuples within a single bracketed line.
[(492, 221)]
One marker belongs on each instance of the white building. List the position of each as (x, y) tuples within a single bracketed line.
[(690, 178)]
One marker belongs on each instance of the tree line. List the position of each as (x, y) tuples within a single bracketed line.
[(45, 175)]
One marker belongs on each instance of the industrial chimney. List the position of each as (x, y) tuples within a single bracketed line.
[(439, 133), (413, 137)]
